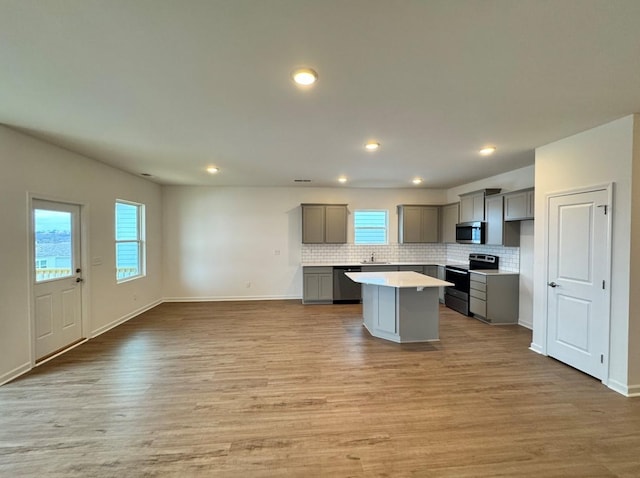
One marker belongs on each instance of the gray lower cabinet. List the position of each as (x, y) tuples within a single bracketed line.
[(324, 223), (442, 276), (317, 285), (379, 268), (430, 270), (494, 298)]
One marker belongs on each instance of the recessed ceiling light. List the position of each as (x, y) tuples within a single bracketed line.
[(417, 181), (212, 170), (371, 145), (304, 76), (488, 150), (342, 179)]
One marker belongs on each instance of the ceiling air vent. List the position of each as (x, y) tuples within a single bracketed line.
[(302, 180)]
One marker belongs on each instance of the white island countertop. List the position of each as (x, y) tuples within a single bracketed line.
[(397, 279)]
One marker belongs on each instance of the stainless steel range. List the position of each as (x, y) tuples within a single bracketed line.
[(457, 297)]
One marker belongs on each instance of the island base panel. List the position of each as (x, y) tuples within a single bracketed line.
[(401, 315)]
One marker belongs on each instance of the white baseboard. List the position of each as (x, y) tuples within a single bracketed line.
[(15, 373), (230, 298), (124, 319), (537, 348), (22, 369), (633, 391), (64, 351), (626, 390), (526, 324)]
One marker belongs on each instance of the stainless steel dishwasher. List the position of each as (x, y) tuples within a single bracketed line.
[(345, 291)]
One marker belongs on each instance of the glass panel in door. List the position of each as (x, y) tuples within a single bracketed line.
[(53, 244)]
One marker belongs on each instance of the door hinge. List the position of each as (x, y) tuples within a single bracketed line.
[(603, 284), (601, 358), (606, 208)]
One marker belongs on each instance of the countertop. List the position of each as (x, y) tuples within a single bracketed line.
[(485, 272), (493, 272), (365, 264), (397, 279)]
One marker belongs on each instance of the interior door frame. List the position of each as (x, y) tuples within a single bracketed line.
[(84, 262), (609, 188)]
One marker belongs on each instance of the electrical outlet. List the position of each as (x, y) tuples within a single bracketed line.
[(276, 252), (248, 285), (135, 297)]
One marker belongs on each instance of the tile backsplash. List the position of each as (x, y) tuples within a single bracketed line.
[(434, 253), (352, 253), (509, 256)]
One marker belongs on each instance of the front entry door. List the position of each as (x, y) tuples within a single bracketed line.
[(578, 305), (57, 289)]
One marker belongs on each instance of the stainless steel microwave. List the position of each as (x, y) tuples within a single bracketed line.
[(471, 232)]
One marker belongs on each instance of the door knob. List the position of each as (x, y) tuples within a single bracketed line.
[(553, 284), (79, 279)]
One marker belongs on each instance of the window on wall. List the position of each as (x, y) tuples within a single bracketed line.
[(130, 250), (370, 226)]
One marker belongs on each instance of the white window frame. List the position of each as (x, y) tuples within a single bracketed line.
[(140, 240), (386, 227)]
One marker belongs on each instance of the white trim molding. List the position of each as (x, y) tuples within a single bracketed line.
[(15, 373), (626, 390), (230, 298), (125, 318), (526, 324), (537, 349)]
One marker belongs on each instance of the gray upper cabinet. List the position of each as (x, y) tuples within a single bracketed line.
[(499, 232), (324, 223), (312, 224), (472, 205), (518, 205), (418, 224), (335, 225), (450, 216)]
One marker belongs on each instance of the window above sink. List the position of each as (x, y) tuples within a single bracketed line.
[(370, 226)]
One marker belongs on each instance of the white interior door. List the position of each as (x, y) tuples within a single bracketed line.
[(57, 288), (578, 305)]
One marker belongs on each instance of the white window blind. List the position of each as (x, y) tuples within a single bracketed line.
[(370, 226)]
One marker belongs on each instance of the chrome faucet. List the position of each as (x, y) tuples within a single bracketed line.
[(372, 258)]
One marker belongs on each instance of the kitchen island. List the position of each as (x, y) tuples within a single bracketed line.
[(400, 306)]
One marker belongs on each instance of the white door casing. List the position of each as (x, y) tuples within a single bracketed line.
[(578, 290), (57, 279)]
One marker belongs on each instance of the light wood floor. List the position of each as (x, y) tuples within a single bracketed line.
[(256, 389)]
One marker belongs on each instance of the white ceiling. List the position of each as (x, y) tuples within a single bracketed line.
[(169, 87)]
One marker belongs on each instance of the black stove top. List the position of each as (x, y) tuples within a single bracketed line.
[(477, 262), (483, 261)]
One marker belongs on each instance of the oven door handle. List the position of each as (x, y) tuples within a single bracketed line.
[(457, 272)]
